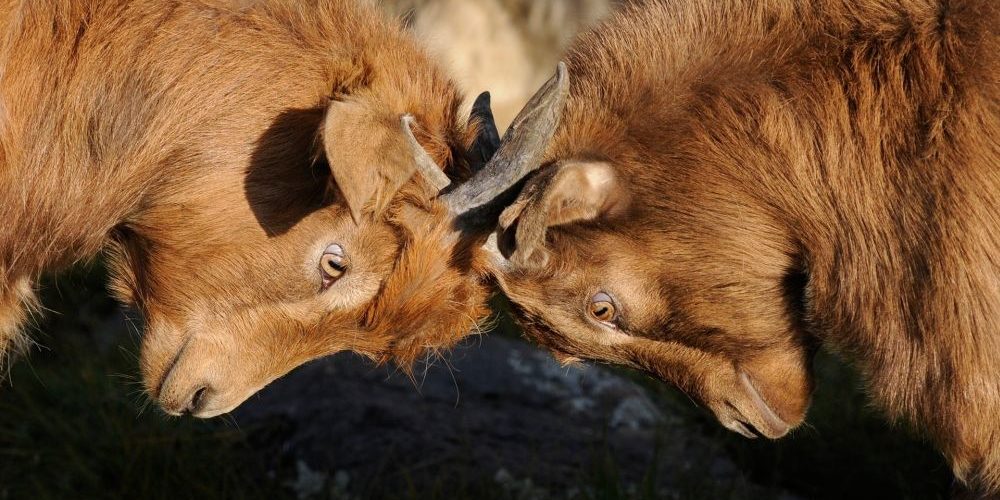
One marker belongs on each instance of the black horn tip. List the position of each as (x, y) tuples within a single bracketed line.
[(488, 141), (521, 151), (483, 101)]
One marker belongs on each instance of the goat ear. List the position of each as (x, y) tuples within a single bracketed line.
[(561, 194), (368, 155)]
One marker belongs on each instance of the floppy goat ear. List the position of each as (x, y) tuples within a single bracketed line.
[(561, 194), (372, 156)]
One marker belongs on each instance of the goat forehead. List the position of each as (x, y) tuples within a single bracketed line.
[(558, 296), (599, 257)]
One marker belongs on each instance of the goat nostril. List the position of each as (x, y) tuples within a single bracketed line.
[(197, 400)]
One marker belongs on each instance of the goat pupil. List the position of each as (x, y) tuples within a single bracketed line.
[(332, 266), (603, 311)]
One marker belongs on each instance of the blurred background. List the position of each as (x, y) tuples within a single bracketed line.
[(496, 418)]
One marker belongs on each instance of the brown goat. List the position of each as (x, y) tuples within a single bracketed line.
[(249, 168), (736, 183)]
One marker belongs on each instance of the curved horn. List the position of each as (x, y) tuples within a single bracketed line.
[(520, 150), (425, 164)]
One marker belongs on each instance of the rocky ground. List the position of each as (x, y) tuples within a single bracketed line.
[(495, 410)]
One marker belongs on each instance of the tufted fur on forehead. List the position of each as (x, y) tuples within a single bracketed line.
[(829, 169), (438, 291)]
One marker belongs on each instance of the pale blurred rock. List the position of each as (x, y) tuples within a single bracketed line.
[(509, 47)]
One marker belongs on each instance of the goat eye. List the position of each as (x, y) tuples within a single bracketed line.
[(333, 264), (602, 308)]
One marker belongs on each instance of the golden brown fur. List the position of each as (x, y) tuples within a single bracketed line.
[(195, 140), (794, 173)]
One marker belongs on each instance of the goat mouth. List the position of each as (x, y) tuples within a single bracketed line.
[(772, 426), (156, 389), (743, 428)]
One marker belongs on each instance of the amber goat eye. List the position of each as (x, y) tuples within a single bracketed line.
[(602, 308), (333, 264)]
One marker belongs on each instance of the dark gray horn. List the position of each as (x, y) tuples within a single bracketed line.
[(521, 149), (488, 140), (425, 164)]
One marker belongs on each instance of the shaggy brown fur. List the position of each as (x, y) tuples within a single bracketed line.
[(746, 180), (195, 139)]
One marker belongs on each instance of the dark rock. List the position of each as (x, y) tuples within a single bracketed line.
[(496, 411)]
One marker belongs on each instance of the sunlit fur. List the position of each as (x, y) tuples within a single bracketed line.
[(800, 173), (184, 137)]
